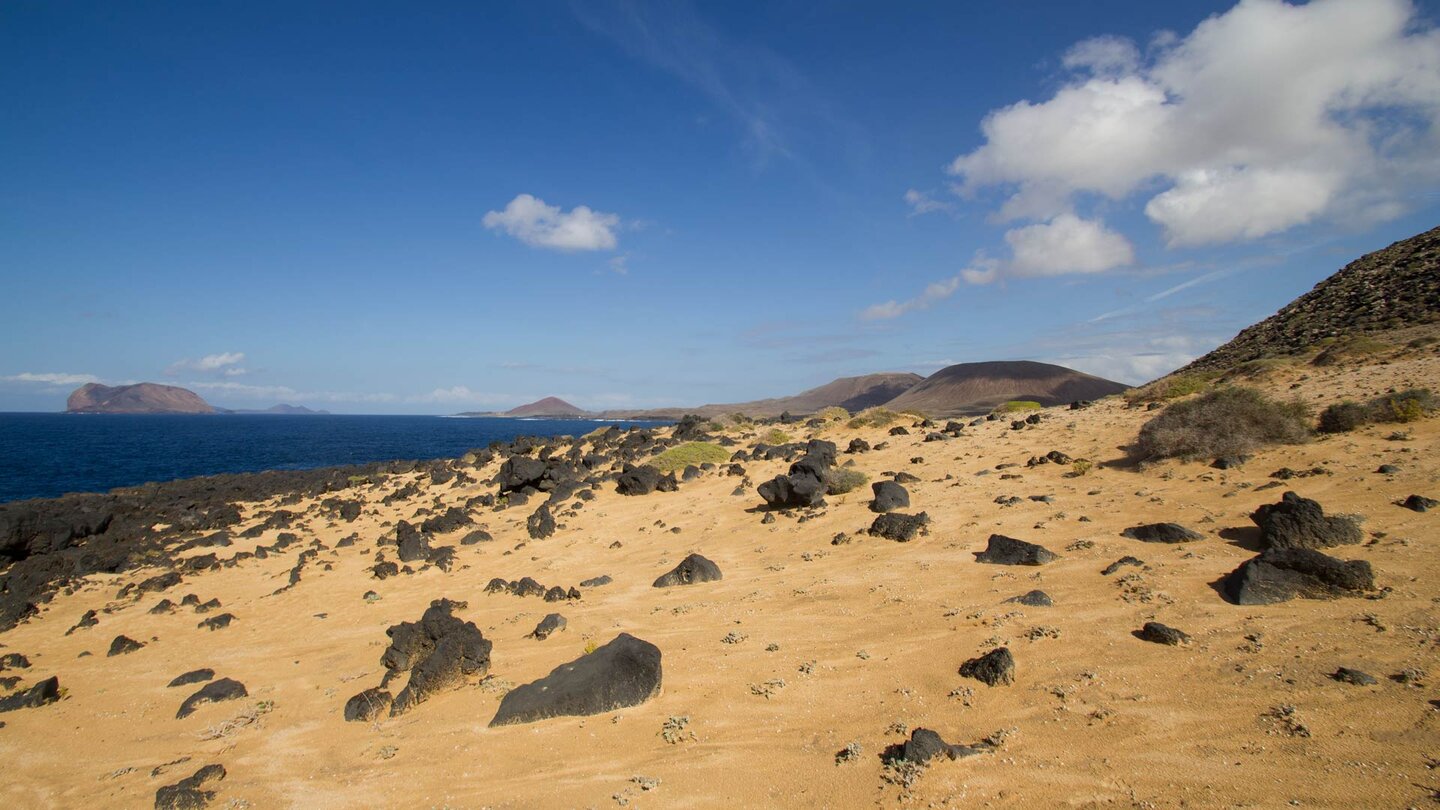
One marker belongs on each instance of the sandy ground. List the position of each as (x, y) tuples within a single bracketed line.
[(855, 641)]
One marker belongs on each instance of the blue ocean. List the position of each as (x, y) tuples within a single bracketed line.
[(43, 455)]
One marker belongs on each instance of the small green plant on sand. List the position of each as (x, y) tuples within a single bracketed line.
[(874, 417), (843, 480), (833, 414), (697, 453), (775, 436), (1017, 405)]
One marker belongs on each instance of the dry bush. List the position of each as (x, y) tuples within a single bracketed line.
[(1225, 422)]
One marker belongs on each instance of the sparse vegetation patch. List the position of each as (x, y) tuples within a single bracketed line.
[(697, 453), (1227, 422)]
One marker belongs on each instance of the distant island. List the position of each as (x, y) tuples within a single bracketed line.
[(148, 397), (547, 408), (965, 389)]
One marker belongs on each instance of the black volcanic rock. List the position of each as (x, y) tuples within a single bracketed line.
[(1033, 599), (552, 622), (43, 692), (624, 672), (122, 645), (1296, 522), (213, 692), (368, 705), (1278, 575), (1158, 633), (540, 524), (1002, 550), (898, 527), (190, 793), (889, 496), (193, 676), (925, 745), (994, 668), (1162, 533), (439, 652), (691, 570)]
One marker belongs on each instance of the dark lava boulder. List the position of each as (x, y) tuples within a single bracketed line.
[(925, 745), (993, 668), (122, 645), (453, 520), (552, 622), (368, 705), (1162, 533), (540, 524), (193, 676), (213, 692), (1420, 503), (625, 672), (1158, 633), (691, 570), (190, 793), (1297, 522), (439, 652), (1354, 677), (787, 492), (43, 692), (898, 527), (1002, 550), (414, 544), (643, 480), (1033, 599), (889, 496), (1278, 575), (476, 536), (519, 472)]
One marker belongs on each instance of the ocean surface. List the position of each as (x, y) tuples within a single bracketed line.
[(43, 455)]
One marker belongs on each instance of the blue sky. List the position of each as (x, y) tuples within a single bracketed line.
[(426, 208)]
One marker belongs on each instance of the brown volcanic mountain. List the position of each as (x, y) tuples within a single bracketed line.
[(851, 393), (549, 406), (137, 398), (1395, 287), (975, 388)]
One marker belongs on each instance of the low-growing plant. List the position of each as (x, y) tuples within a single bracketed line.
[(834, 413), (1343, 417), (774, 436), (741, 419), (1229, 421), (1017, 405), (842, 480), (683, 455), (1081, 467), (1349, 349), (1172, 387), (1403, 406), (874, 417)]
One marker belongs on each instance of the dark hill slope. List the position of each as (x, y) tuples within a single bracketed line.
[(974, 388)]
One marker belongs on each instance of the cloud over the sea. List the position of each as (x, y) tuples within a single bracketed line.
[(1263, 118), (530, 220), (49, 378)]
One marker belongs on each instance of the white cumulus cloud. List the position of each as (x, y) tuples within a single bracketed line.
[(1268, 116), (530, 220), (1066, 244)]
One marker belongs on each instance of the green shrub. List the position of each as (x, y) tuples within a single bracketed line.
[(1404, 406), (683, 455), (874, 417), (775, 436), (1349, 349), (1081, 467), (1224, 422), (1017, 405), (1343, 417), (1172, 387), (741, 419), (843, 480), (834, 413)]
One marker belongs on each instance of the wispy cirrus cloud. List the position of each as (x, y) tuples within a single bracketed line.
[(225, 363), (51, 378)]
